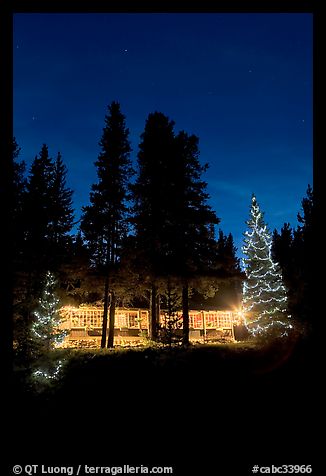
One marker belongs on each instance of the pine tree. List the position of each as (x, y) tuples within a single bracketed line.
[(104, 222), (151, 197), (264, 295), (193, 222), (173, 220)]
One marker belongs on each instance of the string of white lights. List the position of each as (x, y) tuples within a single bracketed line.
[(47, 319), (264, 294)]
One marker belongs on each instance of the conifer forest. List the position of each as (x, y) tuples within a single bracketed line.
[(159, 229)]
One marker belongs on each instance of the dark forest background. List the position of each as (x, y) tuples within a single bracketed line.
[(146, 239)]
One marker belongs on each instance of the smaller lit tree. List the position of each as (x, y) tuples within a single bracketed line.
[(45, 332)]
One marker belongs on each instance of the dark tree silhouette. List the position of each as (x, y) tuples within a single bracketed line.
[(305, 255), (231, 288), (62, 213), (173, 220), (37, 213), (19, 195), (151, 195), (43, 215), (48, 213), (104, 222), (193, 220), (226, 252), (283, 253), (11, 190), (293, 248)]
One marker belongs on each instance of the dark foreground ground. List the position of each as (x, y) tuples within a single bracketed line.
[(214, 410)]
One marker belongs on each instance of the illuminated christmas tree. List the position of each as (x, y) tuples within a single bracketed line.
[(46, 333), (264, 295)]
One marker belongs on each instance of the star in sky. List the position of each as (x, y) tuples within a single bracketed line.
[(248, 128)]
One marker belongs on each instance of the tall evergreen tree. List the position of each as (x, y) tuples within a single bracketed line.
[(37, 213), (173, 220), (104, 222), (62, 213), (151, 195), (46, 219), (264, 295), (193, 221), (48, 212)]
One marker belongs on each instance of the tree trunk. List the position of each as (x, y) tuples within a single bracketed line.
[(105, 311), (153, 314), (185, 315), (111, 321)]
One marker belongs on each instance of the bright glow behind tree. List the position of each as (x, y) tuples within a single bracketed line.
[(264, 295)]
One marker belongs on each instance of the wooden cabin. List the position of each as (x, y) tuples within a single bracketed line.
[(84, 325)]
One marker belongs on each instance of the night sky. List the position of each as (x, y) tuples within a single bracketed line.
[(241, 82)]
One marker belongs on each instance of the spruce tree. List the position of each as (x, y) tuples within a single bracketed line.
[(264, 295), (104, 222)]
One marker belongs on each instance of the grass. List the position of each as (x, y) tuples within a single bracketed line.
[(233, 363), (211, 396)]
